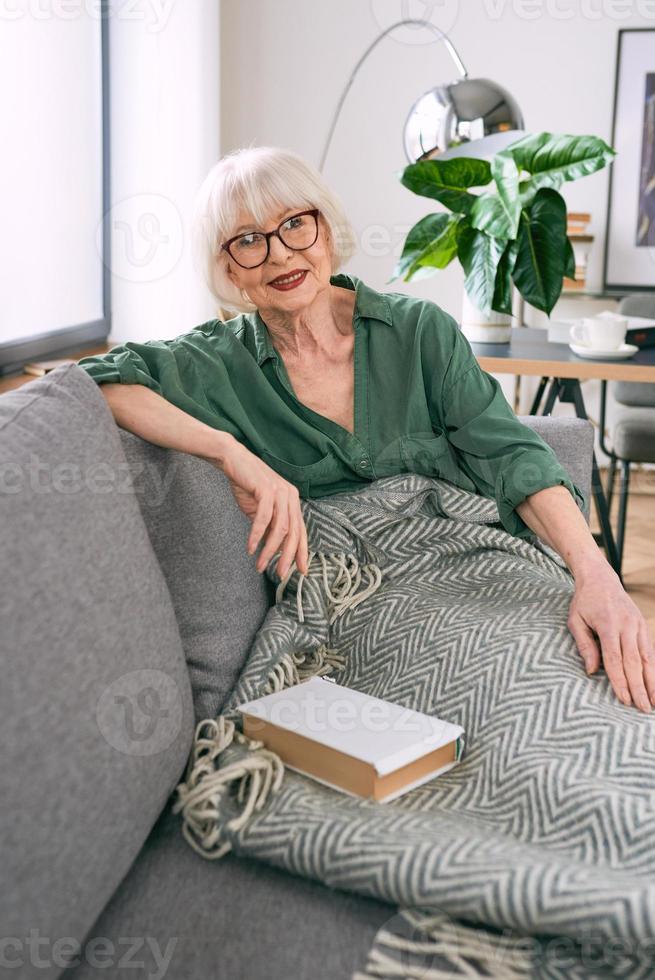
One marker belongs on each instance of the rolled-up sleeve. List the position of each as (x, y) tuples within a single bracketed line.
[(154, 364), (506, 459), (188, 371)]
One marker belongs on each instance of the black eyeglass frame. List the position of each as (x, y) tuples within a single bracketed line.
[(269, 234)]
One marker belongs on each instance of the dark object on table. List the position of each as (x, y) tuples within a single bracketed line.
[(641, 336)]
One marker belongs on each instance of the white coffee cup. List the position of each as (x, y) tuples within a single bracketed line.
[(606, 331)]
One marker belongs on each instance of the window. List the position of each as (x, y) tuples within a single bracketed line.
[(54, 282)]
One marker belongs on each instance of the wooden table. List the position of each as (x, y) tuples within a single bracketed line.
[(10, 382), (529, 352)]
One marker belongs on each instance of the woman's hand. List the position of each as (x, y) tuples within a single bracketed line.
[(269, 501), (601, 606)]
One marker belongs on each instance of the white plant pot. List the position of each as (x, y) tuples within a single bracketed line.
[(481, 329)]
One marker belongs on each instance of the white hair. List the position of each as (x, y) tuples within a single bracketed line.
[(260, 180)]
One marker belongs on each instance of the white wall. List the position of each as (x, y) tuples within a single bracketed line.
[(284, 64), (165, 121)]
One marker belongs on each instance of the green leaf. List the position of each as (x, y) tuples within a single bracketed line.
[(506, 175), (488, 214), (447, 181), (502, 299), (480, 255), (569, 267), (542, 255), (431, 242), (552, 159), (440, 252)]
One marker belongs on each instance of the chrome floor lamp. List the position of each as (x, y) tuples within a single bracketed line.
[(464, 117), (474, 117)]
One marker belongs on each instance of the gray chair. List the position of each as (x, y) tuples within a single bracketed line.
[(633, 436)]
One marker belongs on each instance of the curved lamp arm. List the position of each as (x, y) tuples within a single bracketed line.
[(423, 23)]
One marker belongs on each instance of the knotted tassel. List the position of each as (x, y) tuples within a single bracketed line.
[(342, 592), (257, 773), (292, 668)]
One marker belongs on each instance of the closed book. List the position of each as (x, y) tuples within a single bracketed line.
[(362, 745), (39, 368)]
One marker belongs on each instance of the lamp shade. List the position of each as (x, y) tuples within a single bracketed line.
[(466, 117)]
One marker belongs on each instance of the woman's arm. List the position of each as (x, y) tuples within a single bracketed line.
[(602, 614), (509, 461), (142, 411), (269, 501)]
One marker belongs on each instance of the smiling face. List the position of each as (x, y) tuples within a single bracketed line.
[(262, 285)]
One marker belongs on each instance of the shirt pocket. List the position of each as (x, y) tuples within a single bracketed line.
[(302, 476), (431, 454)]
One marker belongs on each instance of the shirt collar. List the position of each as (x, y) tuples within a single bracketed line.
[(368, 303)]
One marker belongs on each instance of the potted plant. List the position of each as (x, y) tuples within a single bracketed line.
[(512, 232)]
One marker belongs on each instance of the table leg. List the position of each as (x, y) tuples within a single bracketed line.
[(569, 390), (537, 398), (555, 391)]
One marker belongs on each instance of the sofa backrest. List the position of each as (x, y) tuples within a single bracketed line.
[(199, 536), (572, 441)]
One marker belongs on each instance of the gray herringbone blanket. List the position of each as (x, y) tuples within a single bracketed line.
[(535, 855)]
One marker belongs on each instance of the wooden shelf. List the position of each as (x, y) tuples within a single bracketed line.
[(594, 293)]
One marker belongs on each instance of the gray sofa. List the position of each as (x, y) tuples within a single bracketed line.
[(128, 606)]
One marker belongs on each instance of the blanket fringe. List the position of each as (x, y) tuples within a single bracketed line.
[(453, 944), (257, 773), (344, 591), (292, 668)]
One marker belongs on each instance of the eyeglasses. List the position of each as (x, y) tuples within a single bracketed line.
[(298, 232)]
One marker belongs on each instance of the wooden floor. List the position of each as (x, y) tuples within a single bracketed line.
[(639, 548)]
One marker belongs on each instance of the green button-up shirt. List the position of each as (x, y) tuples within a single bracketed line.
[(422, 404)]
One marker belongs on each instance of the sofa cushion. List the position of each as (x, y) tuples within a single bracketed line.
[(236, 918), (199, 536), (96, 718)]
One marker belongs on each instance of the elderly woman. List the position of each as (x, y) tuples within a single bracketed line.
[(320, 384)]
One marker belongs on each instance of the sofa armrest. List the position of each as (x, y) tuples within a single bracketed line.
[(572, 441)]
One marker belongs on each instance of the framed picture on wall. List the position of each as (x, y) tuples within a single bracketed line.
[(630, 231)]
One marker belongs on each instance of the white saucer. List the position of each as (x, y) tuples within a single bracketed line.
[(625, 350)]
